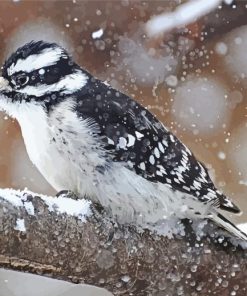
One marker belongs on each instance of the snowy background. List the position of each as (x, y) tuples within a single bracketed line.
[(193, 77)]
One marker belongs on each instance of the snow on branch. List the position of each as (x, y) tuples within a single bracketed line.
[(183, 15), (69, 239)]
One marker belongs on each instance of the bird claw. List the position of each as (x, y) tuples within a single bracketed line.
[(67, 193)]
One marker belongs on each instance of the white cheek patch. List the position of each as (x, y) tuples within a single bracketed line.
[(67, 85), (45, 58)]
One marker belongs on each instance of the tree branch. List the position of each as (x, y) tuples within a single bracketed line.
[(68, 239)]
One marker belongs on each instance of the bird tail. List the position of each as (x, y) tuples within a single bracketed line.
[(229, 226)]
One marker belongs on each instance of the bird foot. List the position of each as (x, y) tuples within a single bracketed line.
[(67, 193)]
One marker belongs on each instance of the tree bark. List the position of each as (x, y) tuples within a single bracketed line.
[(118, 258)]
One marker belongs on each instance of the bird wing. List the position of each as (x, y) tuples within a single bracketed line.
[(134, 136)]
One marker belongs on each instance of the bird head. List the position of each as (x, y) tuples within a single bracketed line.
[(39, 74)]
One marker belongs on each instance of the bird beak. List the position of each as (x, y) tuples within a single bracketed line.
[(4, 85)]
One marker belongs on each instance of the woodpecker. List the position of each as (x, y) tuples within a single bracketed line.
[(89, 138)]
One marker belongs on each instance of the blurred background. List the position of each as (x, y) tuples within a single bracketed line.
[(194, 77)]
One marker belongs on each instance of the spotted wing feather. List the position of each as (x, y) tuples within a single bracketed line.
[(134, 136)]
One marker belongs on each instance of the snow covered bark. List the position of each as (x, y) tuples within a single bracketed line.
[(70, 240)]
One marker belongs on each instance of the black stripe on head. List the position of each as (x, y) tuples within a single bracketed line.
[(49, 75), (48, 101), (33, 47)]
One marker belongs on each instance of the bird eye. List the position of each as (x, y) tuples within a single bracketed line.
[(21, 80)]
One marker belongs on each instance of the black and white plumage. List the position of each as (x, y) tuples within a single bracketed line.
[(87, 137)]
